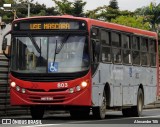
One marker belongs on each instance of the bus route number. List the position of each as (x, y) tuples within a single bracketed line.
[(62, 85)]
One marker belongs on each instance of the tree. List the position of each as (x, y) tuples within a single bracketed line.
[(151, 14), (64, 7), (72, 8), (132, 21), (104, 13), (113, 4), (78, 7), (22, 10)]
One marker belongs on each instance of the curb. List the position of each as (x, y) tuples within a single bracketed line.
[(153, 105)]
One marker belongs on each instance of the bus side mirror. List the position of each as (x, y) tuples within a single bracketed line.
[(5, 47), (4, 44)]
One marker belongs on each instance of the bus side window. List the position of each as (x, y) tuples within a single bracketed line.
[(126, 45), (106, 46), (144, 52), (144, 45), (116, 55), (136, 50), (152, 52), (136, 43), (95, 50), (136, 57), (115, 39), (116, 47), (126, 42), (106, 54)]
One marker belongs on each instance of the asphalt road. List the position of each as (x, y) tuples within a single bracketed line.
[(151, 117)]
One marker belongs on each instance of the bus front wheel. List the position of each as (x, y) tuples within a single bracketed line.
[(100, 111), (37, 112), (82, 112)]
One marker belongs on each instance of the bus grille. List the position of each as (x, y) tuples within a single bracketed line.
[(48, 77)]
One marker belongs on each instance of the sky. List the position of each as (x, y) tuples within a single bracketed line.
[(123, 4)]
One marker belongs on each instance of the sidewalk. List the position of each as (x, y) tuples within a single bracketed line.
[(153, 105)]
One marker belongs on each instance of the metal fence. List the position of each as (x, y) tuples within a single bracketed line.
[(5, 107)]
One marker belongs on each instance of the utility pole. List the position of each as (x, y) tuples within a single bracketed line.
[(29, 9)]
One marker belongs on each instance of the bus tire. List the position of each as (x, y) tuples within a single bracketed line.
[(80, 113), (37, 112), (137, 110), (100, 111)]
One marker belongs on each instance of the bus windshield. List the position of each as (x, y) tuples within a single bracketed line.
[(49, 54)]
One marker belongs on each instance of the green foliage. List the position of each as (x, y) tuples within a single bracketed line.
[(132, 21), (106, 13), (151, 14), (113, 4), (65, 7), (22, 10), (141, 18), (78, 7)]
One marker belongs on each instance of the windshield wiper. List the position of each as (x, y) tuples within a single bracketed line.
[(55, 54), (34, 43), (58, 49), (62, 44)]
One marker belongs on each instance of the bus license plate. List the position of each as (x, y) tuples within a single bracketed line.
[(46, 98)]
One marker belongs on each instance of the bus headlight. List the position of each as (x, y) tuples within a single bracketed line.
[(71, 90), (23, 90), (78, 88), (84, 84), (13, 84), (17, 88)]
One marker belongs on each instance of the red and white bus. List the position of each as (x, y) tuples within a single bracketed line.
[(80, 64)]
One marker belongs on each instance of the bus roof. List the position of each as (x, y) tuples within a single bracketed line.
[(94, 22)]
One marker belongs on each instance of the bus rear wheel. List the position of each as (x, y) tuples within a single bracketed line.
[(135, 111), (100, 111), (37, 112)]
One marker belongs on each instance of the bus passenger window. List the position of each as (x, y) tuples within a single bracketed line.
[(105, 38), (116, 55), (115, 39), (144, 58), (136, 58), (106, 54), (152, 46), (144, 45), (152, 51), (126, 42), (153, 59), (127, 56), (136, 43)]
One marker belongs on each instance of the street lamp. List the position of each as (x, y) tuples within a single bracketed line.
[(7, 7)]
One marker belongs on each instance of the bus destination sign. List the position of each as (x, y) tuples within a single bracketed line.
[(39, 26), (54, 25)]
